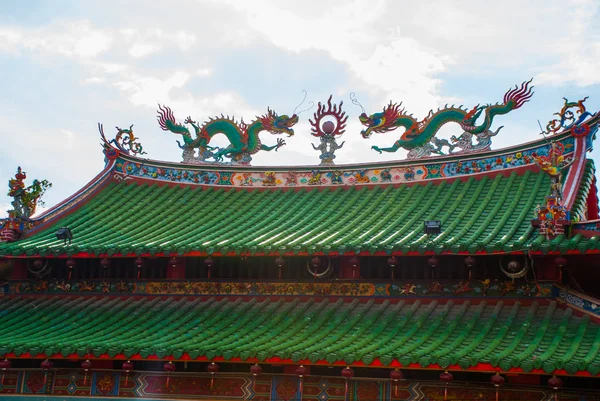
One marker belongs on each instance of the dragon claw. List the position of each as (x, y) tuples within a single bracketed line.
[(376, 148)]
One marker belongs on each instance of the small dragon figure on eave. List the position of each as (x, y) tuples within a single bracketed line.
[(243, 138), (419, 136)]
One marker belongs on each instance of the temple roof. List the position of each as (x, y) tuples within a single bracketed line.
[(540, 336), (485, 202), (487, 213)]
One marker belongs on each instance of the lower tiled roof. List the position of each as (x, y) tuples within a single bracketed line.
[(536, 336)]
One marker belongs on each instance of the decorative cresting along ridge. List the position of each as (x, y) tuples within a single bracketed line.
[(420, 136), (25, 201), (243, 138), (127, 168)]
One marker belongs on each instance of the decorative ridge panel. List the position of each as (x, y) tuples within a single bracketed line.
[(483, 289), (127, 168)]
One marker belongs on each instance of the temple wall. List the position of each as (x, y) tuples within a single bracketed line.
[(75, 384)]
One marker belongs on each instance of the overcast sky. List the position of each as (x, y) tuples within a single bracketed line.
[(67, 65)]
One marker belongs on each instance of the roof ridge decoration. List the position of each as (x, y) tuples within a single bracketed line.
[(25, 202), (569, 119), (243, 138), (420, 136), (125, 141), (329, 122)]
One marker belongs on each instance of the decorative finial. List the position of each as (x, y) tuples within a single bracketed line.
[(25, 199), (569, 119), (125, 141), (25, 202), (328, 123)]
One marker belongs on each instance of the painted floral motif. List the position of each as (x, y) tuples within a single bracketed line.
[(397, 289), (269, 179), (286, 389)]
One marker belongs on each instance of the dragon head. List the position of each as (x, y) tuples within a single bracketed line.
[(380, 122), (276, 124), (468, 122)]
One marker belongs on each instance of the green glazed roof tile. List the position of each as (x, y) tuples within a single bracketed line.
[(537, 336), (490, 214)]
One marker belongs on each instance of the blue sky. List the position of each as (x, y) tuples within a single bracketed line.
[(67, 65)]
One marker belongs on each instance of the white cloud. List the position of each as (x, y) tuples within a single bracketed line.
[(138, 50), (77, 39), (93, 80), (148, 91), (578, 50), (4, 208), (204, 72)]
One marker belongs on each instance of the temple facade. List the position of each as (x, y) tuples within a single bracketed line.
[(460, 273)]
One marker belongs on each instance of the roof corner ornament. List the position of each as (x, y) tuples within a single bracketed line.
[(328, 123), (125, 141), (419, 137), (243, 138), (569, 119), (25, 202), (553, 217)]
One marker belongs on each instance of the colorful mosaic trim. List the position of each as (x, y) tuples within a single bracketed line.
[(127, 169), (153, 386), (587, 226), (573, 299), (421, 288)]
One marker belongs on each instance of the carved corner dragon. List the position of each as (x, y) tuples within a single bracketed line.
[(243, 138), (419, 136)]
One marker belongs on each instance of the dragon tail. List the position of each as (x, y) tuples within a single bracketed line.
[(166, 120), (519, 95)]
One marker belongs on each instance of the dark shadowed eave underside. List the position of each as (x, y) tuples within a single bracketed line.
[(536, 336), (489, 214)]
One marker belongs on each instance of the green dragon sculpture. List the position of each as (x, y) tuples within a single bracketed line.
[(419, 136), (243, 138)]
